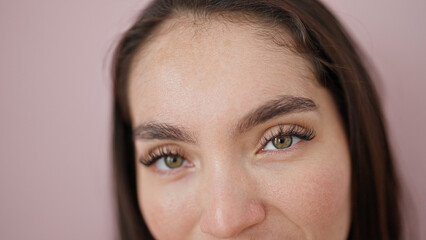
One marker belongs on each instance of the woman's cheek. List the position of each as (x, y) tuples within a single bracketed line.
[(313, 196), (169, 210)]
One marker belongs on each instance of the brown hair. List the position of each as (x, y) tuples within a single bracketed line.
[(321, 39)]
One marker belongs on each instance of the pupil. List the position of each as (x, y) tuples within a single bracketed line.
[(282, 142), (173, 161)]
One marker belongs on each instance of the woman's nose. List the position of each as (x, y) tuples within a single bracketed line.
[(231, 204)]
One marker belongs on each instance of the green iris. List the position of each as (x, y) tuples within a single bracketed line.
[(281, 142), (174, 161)]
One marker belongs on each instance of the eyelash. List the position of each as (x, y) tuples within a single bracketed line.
[(303, 133), (158, 153)]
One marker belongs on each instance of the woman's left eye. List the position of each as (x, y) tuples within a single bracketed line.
[(281, 142)]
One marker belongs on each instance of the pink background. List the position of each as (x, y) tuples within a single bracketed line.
[(55, 104)]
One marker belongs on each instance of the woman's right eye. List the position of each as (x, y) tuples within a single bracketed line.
[(169, 162)]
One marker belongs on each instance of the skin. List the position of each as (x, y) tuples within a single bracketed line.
[(204, 78)]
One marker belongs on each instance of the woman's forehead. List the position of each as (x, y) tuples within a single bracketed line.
[(223, 70)]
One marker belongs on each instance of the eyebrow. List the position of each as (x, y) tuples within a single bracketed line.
[(282, 105), (162, 131)]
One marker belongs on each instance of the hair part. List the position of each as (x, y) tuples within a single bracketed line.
[(317, 36)]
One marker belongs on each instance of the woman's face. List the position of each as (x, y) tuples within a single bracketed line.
[(234, 138)]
